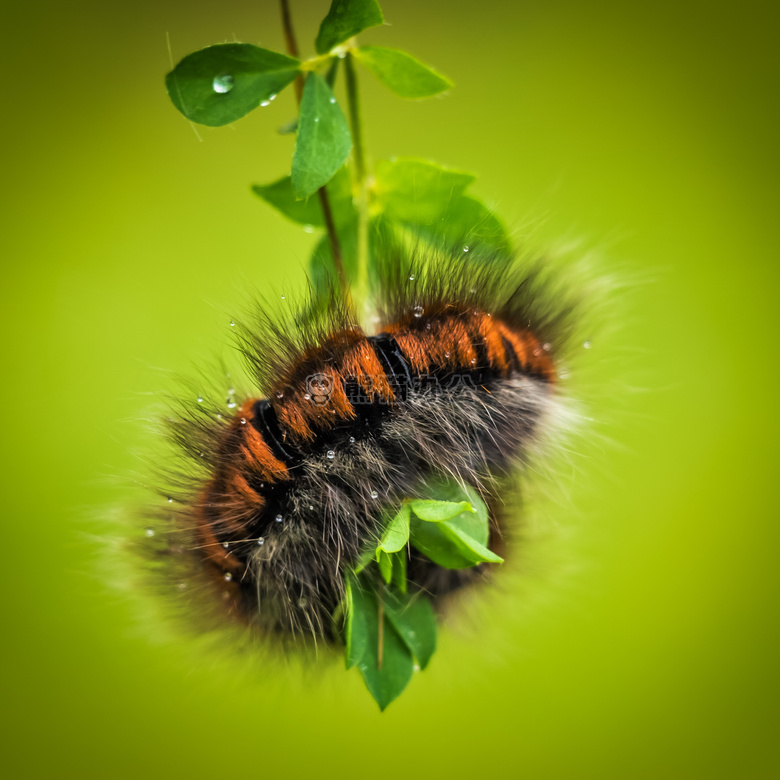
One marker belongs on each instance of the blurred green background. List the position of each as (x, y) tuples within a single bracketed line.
[(645, 128)]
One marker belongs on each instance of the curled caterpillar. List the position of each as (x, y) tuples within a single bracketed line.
[(295, 483)]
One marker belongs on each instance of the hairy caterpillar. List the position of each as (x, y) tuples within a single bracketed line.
[(290, 485)]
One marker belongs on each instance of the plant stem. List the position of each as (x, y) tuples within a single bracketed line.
[(322, 193), (361, 178)]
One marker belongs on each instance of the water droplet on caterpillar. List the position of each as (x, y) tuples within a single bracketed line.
[(465, 249), (284, 297), (374, 494), (418, 311), (232, 323), (149, 532), (280, 395), (351, 439), (307, 396), (447, 355), (278, 518), (331, 454), (311, 507), (222, 84), (547, 346), (170, 500), (243, 421), (231, 404), (260, 542), (200, 399), (231, 390), (473, 361), (226, 544), (586, 345), (411, 277), (228, 576)]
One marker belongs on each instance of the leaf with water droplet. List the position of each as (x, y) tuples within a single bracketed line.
[(417, 191), (401, 72), (220, 84), (281, 196), (345, 19), (323, 140), (413, 618)]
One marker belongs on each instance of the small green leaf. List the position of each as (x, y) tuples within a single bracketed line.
[(355, 629), (345, 19), (323, 141), (387, 680), (396, 534), (399, 570), (417, 191), (385, 562), (403, 74), (460, 541), (415, 622), (222, 83), (437, 511), (281, 196)]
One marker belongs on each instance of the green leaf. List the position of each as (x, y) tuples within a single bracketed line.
[(436, 511), (355, 629), (387, 681), (448, 546), (222, 83), (345, 19), (417, 191), (461, 541), (281, 196), (403, 74), (323, 141), (399, 570), (396, 534), (385, 562), (414, 620)]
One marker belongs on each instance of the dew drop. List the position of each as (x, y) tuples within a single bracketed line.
[(231, 390), (311, 507), (243, 421), (170, 500), (272, 97), (547, 346), (473, 361), (219, 416), (265, 103), (228, 576), (260, 542), (316, 119), (374, 494), (418, 311), (278, 518), (182, 586), (586, 345), (447, 355), (226, 544), (283, 297), (308, 228), (149, 532), (231, 404), (465, 249), (307, 396), (280, 395), (200, 399), (222, 84), (351, 439), (411, 277), (332, 101), (331, 454), (302, 602), (427, 326)]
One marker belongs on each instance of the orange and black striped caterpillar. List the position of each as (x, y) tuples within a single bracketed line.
[(289, 489)]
